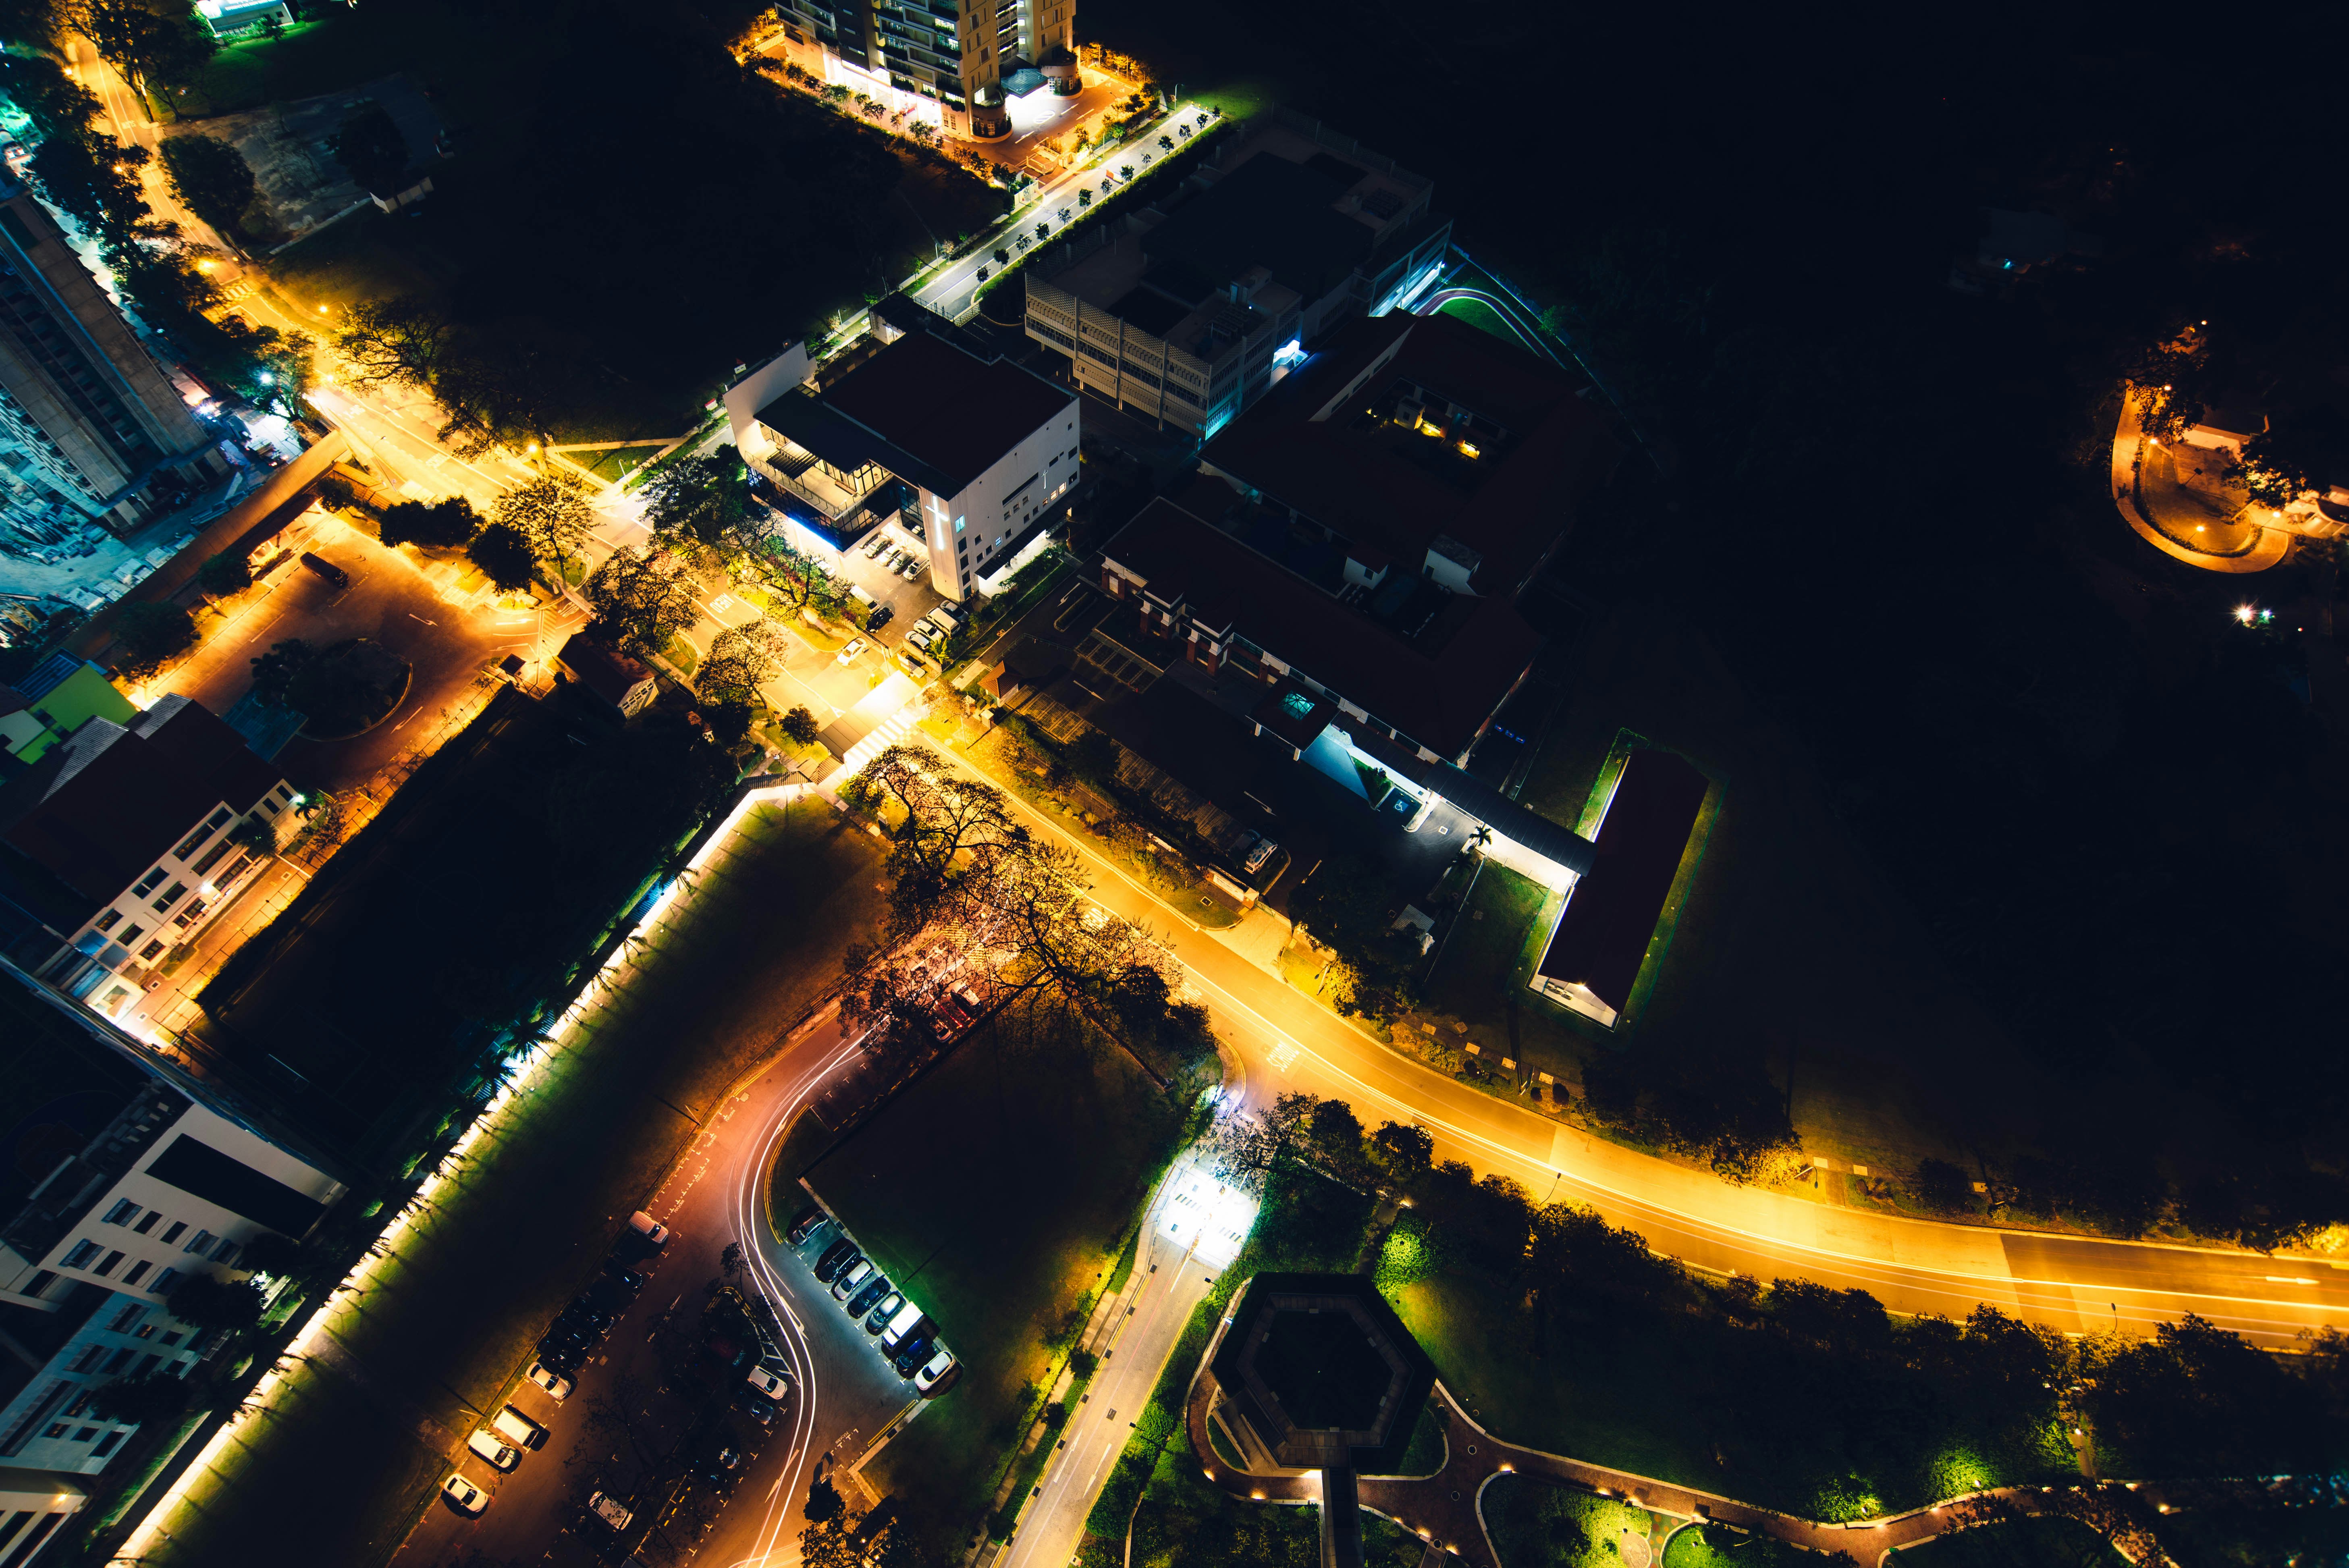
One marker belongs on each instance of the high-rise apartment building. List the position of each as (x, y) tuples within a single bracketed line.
[(957, 63), (90, 428)]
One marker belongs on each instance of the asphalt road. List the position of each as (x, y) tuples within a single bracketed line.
[(844, 1393)]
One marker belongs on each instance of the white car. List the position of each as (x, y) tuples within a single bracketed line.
[(915, 569), (1257, 854), (934, 1369), (768, 1382), (855, 647), (652, 1229), (464, 1496), (921, 636), (558, 1388), (609, 1508), (850, 1283), (494, 1448)]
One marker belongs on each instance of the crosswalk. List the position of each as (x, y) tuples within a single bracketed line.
[(890, 731)]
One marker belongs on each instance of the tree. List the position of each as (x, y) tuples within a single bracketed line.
[(221, 575), (327, 818), (1043, 232), (150, 1397), (552, 517), (402, 341), (729, 1261), (705, 499), (257, 834), (144, 40), (1942, 1187), (147, 633), (1248, 1146), (200, 1300), (95, 181), (641, 600), (1404, 1150), (503, 556), (443, 524), (273, 1255), (369, 146), (275, 370), (1166, 142), (800, 725), (273, 672), (211, 179), (32, 22), (740, 659)]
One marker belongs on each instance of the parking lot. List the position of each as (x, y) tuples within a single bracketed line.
[(907, 602)]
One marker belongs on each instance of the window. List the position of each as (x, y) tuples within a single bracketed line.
[(172, 1337), (195, 841), (201, 1242), (113, 1439), (120, 1214), (60, 1429), (81, 1403), (285, 793), (126, 1319), (89, 1358), (118, 1360), (84, 1434), (148, 883), (227, 1254), (148, 953), (147, 1224), (40, 1283), (81, 1254), (103, 1270), (173, 1234), (105, 922), (147, 1364), (171, 895), (213, 856), (132, 933), (137, 1271), (270, 806)]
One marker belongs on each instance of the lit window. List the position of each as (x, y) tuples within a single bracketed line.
[(105, 922)]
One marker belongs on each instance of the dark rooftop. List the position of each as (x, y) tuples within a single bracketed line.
[(1540, 447), (944, 406), (1438, 687), (107, 802), (1267, 212), (1602, 936)]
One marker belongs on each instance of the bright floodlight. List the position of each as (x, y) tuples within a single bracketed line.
[(1206, 1214)]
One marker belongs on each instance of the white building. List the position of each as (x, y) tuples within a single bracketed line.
[(138, 1202), (135, 821), (972, 455)]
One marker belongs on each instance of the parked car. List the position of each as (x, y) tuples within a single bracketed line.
[(847, 655), (1256, 849), (879, 542), (853, 1278), (626, 1278), (558, 1388), (908, 1323), (805, 1223), (519, 1429), (609, 1297), (911, 663), (562, 1355), (883, 1311), (494, 1448), (756, 1405), (933, 1370), (919, 636), (464, 1496), (595, 1320), (609, 1508), (914, 1351), (949, 618), (768, 1382), (913, 571), (873, 1290), (652, 1229), (327, 570), (880, 617), (719, 1464), (836, 1257)]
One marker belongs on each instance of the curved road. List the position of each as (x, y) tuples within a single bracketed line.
[(2078, 1284)]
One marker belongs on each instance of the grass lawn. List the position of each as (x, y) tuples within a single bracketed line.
[(311, 57), (996, 1192), (1698, 1400), (1484, 318), (1480, 980), (1535, 1524), (450, 1324), (2027, 1543), (612, 462)]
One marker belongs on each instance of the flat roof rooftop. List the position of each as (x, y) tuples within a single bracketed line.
[(1601, 937)]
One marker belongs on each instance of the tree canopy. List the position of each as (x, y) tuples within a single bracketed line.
[(504, 556), (148, 632), (445, 523), (211, 178), (369, 145), (641, 599)]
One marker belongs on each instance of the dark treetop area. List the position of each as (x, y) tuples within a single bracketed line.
[(2118, 811)]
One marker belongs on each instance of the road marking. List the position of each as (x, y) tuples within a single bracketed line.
[(1282, 1055), (2287, 1279)]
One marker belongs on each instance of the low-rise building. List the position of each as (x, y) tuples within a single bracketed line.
[(1191, 314), (135, 825), (59, 695), (120, 1186), (610, 673), (973, 454)]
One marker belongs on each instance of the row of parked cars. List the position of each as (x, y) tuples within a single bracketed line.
[(565, 1348), (906, 1337), (896, 557)]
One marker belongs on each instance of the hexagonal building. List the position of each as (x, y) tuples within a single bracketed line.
[(1315, 1372)]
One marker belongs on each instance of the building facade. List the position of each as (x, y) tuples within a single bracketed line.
[(90, 428), (148, 1187), (970, 454), (955, 63), (1192, 316), (138, 823)]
